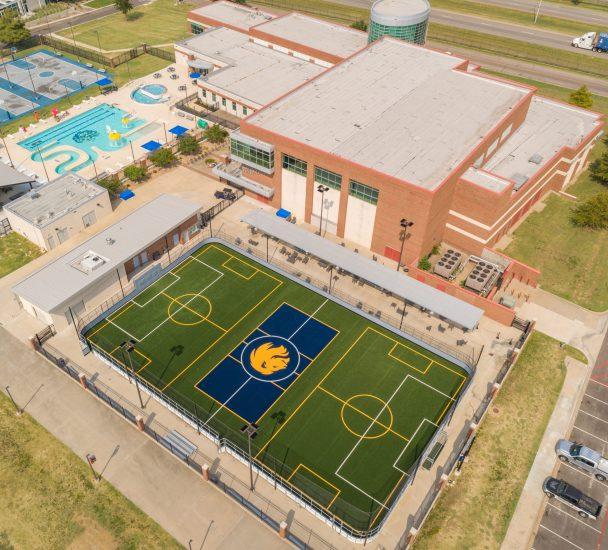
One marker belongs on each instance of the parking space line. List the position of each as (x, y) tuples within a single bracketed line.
[(589, 433), (559, 536), (604, 402), (582, 472), (573, 517), (598, 382), (603, 532), (593, 416)]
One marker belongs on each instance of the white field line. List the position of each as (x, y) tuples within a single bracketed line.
[(227, 400), (199, 293), (307, 319), (177, 278), (361, 491), (206, 264), (120, 328), (559, 536), (408, 443)]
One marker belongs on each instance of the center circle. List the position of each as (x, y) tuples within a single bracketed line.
[(270, 358), (358, 407), (190, 304)]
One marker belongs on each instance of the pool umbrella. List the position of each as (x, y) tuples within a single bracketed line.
[(195, 75), (55, 111), (104, 82), (151, 145), (114, 135), (178, 130)]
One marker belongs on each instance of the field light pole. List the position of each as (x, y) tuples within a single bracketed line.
[(17, 408), (74, 41), (6, 149), (267, 251), (129, 347), (537, 12), (91, 459), (251, 430), (405, 224), (322, 189), (43, 165)]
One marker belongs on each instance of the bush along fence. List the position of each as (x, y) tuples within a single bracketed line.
[(264, 509), (462, 445)]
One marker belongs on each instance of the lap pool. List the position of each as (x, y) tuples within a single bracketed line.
[(75, 143)]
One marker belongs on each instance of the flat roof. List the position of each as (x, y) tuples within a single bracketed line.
[(232, 14), (65, 278), (549, 126), (399, 284), (253, 73), (46, 204), (314, 33), (396, 108), (485, 179)]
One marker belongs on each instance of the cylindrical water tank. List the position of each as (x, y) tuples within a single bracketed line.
[(403, 19)]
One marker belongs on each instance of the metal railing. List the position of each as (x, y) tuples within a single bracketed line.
[(298, 534), (5, 227), (203, 112)]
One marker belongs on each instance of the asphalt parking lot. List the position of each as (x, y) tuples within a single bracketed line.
[(561, 528)]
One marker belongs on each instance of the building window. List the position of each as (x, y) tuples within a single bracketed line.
[(331, 179), (363, 192), (252, 154), (224, 101), (204, 93), (295, 165), (234, 106), (244, 110)]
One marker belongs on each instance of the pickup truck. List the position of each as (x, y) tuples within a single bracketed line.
[(585, 458), (596, 41), (585, 506)]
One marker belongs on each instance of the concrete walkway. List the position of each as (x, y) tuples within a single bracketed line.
[(169, 492)]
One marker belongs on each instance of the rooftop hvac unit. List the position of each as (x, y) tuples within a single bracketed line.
[(448, 264), (477, 280), (91, 261), (536, 158)]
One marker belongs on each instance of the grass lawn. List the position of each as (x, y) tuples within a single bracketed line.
[(161, 22), (16, 251), (50, 501), (344, 406), (475, 512), (138, 67), (99, 3)]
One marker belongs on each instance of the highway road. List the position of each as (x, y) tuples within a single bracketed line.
[(595, 18)]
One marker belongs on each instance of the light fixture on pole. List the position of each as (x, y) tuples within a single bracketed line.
[(251, 430), (322, 189), (405, 224), (129, 347), (91, 459), (537, 12)]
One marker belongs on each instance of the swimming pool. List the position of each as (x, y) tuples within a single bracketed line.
[(150, 94), (75, 143)]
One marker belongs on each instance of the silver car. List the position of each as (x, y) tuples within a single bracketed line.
[(583, 457)]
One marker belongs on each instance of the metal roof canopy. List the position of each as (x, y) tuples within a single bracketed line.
[(452, 309), (9, 176)]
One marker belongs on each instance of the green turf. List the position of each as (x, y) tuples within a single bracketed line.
[(346, 432)]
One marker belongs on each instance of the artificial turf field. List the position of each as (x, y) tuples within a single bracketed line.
[(344, 406)]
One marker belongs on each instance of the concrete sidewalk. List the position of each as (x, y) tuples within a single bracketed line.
[(169, 492)]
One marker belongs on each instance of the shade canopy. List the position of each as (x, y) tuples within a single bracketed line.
[(104, 82), (151, 145), (398, 284), (178, 130), (195, 75), (282, 213), (200, 64)]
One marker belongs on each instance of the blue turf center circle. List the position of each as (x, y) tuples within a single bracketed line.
[(270, 358)]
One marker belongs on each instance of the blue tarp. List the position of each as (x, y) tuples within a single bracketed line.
[(178, 130), (126, 195), (151, 145), (104, 82), (282, 213), (195, 75)]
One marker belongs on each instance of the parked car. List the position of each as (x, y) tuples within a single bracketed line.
[(585, 458), (585, 506)]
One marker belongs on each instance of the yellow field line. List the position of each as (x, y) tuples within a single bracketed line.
[(337, 489), (390, 354), (387, 428), (386, 500), (185, 306), (149, 361), (240, 260), (222, 405), (236, 272)]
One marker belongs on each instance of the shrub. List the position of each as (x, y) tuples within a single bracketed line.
[(112, 184), (216, 134), (360, 25), (424, 263), (593, 213), (163, 158), (599, 169), (136, 173), (582, 98), (188, 145)]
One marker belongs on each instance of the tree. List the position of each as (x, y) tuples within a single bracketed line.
[(112, 184), (188, 145), (12, 29), (593, 213), (582, 98), (123, 6), (162, 158), (599, 169), (136, 173), (424, 263), (215, 134), (360, 25)]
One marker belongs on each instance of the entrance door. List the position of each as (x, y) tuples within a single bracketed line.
[(51, 241), (89, 219), (63, 234), (175, 239)]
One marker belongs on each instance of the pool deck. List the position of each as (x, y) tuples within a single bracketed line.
[(108, 162)]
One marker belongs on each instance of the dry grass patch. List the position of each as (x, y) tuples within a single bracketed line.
[(16, 251)]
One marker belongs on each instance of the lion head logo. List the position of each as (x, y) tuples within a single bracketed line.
[(267, 358)]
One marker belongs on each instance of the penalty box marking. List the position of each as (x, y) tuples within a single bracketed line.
[(338, 490)]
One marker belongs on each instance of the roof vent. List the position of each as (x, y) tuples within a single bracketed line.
[(520, 180), (110, 241), (535, 158), (35, 195)]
